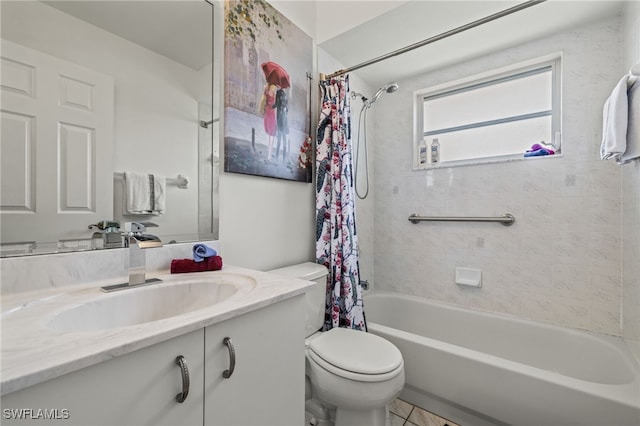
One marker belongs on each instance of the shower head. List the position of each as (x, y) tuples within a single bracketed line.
[(389, 88)]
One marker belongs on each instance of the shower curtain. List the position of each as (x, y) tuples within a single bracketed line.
[(336, 237)]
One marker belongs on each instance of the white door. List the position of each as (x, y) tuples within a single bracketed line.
[(56, 147)]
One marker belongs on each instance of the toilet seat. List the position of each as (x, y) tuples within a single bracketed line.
[(356, 355)]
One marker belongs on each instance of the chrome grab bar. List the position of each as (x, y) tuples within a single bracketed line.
[(507, 219)]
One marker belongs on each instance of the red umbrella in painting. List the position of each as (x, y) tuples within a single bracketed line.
[(275, 74)]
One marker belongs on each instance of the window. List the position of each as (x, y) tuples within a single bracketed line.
[(499, 115)]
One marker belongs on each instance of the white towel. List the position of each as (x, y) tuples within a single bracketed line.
[(614, 122), (144, 194), (633, 125)]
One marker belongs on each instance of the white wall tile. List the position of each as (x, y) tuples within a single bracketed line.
[(561, 261), (631, 199)]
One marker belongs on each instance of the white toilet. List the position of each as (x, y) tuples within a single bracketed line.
[(351, 375)]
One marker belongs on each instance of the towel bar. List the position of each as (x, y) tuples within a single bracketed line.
[(507, 219), (181, 182), (206, 124)]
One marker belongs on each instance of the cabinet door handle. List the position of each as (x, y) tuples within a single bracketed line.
[(232, 358), (185, 379)]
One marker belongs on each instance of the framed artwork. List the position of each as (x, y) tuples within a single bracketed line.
[(267, 93)]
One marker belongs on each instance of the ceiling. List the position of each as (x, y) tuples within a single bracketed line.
[(352, 13), (179, 30), (416, 20)]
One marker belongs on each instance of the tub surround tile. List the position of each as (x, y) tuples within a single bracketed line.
[(536, 245), (631, 255), (631, 200), (604, 251), (537, 211), (570, 280), (605, 214), (560, 263), (507, 302), (570, 245), (566, 312), (603, 320)]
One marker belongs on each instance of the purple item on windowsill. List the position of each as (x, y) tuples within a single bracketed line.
[(538, 150), (536, 153)]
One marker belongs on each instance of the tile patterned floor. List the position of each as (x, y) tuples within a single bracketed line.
[(406, 414)]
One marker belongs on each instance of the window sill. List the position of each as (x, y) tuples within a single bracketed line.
[(487, 160)]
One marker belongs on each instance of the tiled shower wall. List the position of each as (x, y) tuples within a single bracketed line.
[(631, 199), (561, 261)]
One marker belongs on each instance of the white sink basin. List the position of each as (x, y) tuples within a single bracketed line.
[(149, 303)]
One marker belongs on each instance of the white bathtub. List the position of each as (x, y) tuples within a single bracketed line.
[(480, 368)]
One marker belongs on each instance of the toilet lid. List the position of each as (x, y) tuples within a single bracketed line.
[(356, 351)]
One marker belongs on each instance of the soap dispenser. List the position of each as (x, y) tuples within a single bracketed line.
[(435, 151), (423, 153)]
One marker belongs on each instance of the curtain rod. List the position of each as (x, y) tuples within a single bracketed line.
[(441, 36)]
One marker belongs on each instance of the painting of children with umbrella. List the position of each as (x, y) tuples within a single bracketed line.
[(267, 94)]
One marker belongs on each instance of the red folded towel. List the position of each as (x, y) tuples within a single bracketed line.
[(181, 266)]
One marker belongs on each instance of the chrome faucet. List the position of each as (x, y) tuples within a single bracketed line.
[(137, 241)]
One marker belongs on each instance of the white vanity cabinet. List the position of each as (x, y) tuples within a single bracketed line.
[(138, 388), (265, 388), (267, 384)]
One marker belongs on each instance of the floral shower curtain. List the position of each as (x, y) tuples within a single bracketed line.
[(336, 238)]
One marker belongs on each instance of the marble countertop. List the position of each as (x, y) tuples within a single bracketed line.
[(34, 351)]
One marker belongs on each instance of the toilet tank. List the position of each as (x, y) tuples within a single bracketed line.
[(315, 298)]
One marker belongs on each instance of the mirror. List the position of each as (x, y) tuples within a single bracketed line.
[(94, 89)]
